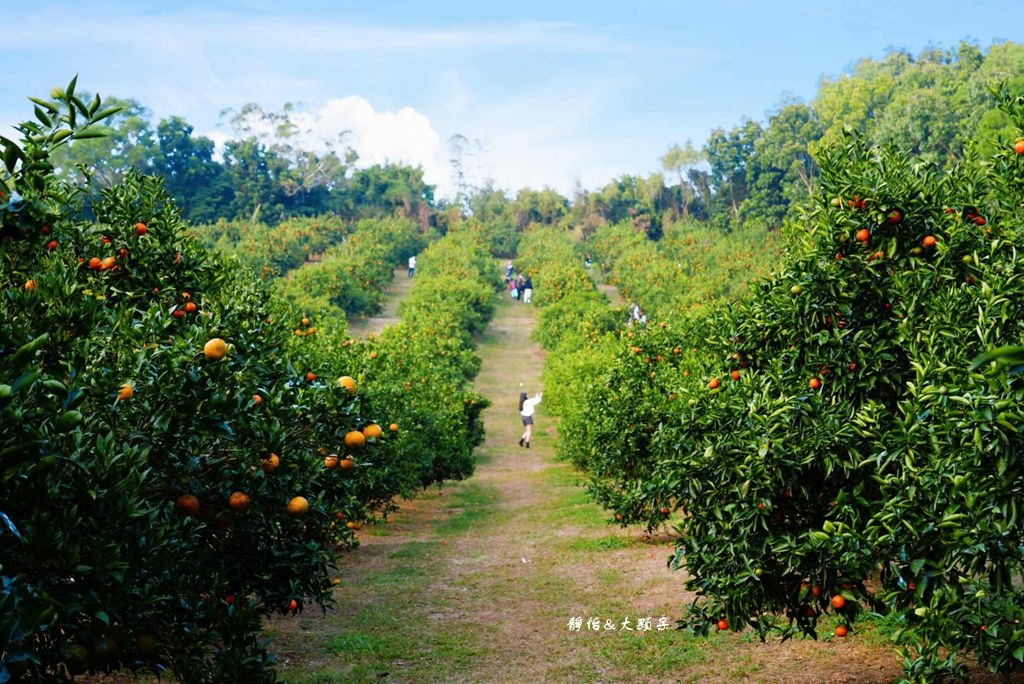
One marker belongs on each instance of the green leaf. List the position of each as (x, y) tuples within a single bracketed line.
[(106, 113), (41, 115), (90, 133)]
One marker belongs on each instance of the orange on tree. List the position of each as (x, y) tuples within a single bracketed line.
[(190, 307), (141, 229), (125, 392), (239, 501), (298, 506), (373, 431), (715, 382), (1018, 146), (723, 625), (347, 463), (355, 440), (929, 241), (257, 399), (31, 285), (814, 383), (838, 601), (331, 461), (216, 349), (841, 631), (347, 383), (863, 235), (271, 462), (187, 504)]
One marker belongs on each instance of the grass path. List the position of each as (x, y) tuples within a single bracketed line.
[(477, 582), (394, 293)]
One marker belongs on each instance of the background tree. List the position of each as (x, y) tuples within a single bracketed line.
[(677, 160)]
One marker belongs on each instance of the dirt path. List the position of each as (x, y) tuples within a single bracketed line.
[(478, 582), (395, 292)]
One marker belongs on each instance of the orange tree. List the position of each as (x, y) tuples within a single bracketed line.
[(171, 467), (424, 365), (352, 276), (826, 441)]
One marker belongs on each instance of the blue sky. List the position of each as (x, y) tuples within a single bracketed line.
[(549, 93)]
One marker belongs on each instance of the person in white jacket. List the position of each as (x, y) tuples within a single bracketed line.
[(527, 406)]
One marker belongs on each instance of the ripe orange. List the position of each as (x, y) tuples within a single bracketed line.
[(331, 462), (31, 285), (190, 307), (293, 606), (187, 504), (216, 349), (735, 375), (929, 241), (355, 440), (393, 427), (141, 229), (863, 235), (373, 355), (373, 431), (816, 591), (714, 383), (305, 322), (1018, 146), (841, 631), (52, 245), (311, 376), (239, 501), (298, 506), (347, 383), (814, 383), (271, 462), (126, 392), (347, 464), (838, 601), (108, 263), (95, 263), (178, 313), (353, 525), (723, 625), (257, 399)]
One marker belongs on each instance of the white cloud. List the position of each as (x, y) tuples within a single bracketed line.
[(405, 136)]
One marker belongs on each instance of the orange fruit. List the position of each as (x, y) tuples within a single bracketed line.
[(187, 504), (271, 462), (714, 383), (311, 376), (863, 235), (347, 383), (216, 349), (347, 464), (393, 427), (723, 625), (239, 501), (841, 631), (373, 355), (30, 285), (52, 245), (331, 462), (190, 307), (355, 440), (373, 431), (305, 322), (95, 263), (816, 591), (141, 229), (1018, 146), (293, 606), (814, 383), (353, 525), (735, 375), (929, 241), (108, 263), (838, 601), (257, 399), (126, 392), (298, 506)]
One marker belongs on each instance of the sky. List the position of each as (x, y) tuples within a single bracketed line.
[(546, 93)]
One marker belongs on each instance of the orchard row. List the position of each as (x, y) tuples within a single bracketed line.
[(184, 450), (824, 445)]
